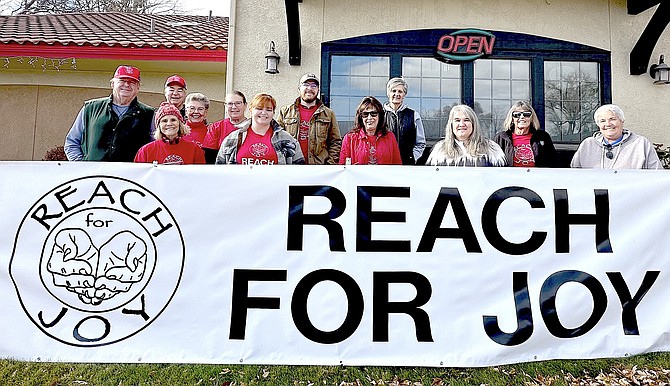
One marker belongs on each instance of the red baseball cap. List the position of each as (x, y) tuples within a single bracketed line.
[(175, 79), (129, 72)]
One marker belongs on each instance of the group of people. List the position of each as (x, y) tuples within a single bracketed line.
[(120, 128)]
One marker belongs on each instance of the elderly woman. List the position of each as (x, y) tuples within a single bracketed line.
[(169, 148), (261, 141), (464, 144), (522, 141), (369, 142), (614, 146), (404, 122), (197, 106)]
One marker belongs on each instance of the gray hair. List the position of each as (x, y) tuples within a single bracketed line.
[(198, 97), (613, 108), (393, 82)]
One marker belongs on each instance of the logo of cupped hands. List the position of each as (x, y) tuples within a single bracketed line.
[(94, 244), (97, 274)]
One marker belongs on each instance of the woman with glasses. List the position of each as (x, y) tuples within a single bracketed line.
[(464, 144), (197, 106), (263, 142), (236, 105), (613, 146), (369, 142), (522, 141)]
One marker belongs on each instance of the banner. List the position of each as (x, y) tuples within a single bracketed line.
[(330, 265)]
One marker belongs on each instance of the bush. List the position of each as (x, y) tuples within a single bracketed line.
[(663, 154), (55, 154)]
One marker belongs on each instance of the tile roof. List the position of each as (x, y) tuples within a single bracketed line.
[(116, 30)]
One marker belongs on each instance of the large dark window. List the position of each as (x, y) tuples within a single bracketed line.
[(564, 81)]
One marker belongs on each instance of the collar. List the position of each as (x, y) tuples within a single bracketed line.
[(171, 141), (298, 104)]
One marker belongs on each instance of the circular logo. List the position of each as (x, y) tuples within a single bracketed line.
[(96, 260)]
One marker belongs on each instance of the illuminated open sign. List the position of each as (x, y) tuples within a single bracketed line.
[(465, 45)]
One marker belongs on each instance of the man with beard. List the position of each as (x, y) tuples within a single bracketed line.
[(313, 124)]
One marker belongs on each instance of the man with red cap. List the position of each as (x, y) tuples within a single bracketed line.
[(175, 93), (112, 128)]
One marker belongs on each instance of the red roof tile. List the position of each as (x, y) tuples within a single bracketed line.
[(116, 30)]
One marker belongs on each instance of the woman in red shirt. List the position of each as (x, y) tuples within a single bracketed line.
[(369, 142), (169, 147)]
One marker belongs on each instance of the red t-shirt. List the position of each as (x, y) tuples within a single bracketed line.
[(257, 149), (303, 131), (176, 153), (197, 134), (523, 153), (217, 132)]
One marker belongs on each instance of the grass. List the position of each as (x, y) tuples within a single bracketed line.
[(537, 373)]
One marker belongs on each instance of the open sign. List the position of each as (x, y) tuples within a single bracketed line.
[(466, 45)]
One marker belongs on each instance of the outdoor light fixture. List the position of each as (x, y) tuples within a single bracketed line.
[(660, 72), (271, 60)]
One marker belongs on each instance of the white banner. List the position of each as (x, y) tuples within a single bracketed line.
[(356, 265)]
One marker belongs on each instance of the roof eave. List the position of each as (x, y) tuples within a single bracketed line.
[(114, 52)]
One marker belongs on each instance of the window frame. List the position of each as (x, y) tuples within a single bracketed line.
[(508, 45)]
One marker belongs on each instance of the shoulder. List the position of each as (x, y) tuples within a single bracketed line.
[(588, 143), (146, 108), (97, 101), (151, 145), (218, 125), (541, 135), (325, 109), (291, 106), (638, 137), (502, 135)]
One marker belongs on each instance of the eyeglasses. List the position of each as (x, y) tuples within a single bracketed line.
[(237, 103), (365, 114), (609, 153), (198, 109), (518, 114), (310, 85)]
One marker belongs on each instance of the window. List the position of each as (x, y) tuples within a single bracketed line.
[(564, 81), (352, 78), (498, 84), (434, 87), (571, 96)]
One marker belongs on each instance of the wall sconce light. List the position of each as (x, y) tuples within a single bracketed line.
[(660, 72), (271, 60)]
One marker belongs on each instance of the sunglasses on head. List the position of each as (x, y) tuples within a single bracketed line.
[(365, 114), (518, 114)]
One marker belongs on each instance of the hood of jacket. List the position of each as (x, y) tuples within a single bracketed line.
[(600, 139)]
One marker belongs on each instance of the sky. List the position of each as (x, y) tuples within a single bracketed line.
[(202, 7), (191, 7)]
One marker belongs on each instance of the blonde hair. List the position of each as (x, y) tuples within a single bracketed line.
[(508, 124), (476, 145)]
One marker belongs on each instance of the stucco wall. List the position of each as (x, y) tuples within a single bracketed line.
[(600, 23), (39, 117), (43, 104)]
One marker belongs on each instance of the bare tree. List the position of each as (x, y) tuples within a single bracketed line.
[(23, 7), (570, 105)]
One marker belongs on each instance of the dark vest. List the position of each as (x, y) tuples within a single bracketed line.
[(108, 137), (403, 127)]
